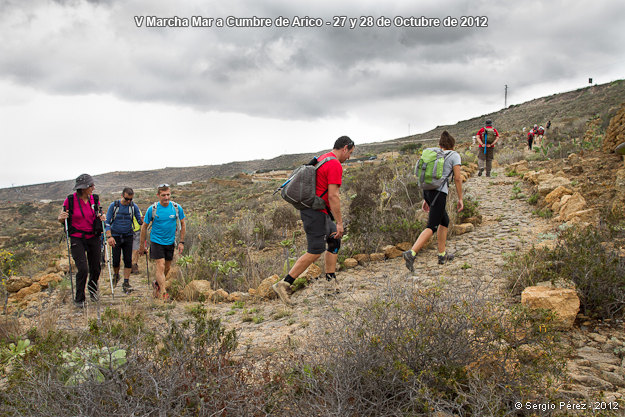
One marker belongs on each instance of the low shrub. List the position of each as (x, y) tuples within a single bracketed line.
[(419, 352), (121, 367), (588, 258)]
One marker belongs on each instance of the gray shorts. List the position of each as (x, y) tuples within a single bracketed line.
[(136, 240), (318, 228)]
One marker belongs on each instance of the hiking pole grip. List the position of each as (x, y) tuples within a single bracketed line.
[(69, 257), (107, 257)]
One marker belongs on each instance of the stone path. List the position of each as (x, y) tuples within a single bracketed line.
[(508, 226)]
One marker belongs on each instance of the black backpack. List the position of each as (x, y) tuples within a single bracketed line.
[(97, 228), (300, 189)]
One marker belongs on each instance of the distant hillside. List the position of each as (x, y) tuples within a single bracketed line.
[(568, 110)]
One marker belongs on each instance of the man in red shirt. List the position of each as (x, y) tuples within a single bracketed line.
[(488, 136), (322, 234)]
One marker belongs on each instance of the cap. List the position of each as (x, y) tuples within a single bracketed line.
[(488, 122), (83, 181)]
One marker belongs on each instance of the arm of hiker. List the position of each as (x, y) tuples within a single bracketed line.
[(425, 207), (458, 182), (335, 204), (480, 139), (110, 240), (144, 233), (183, 232), (63, 215)]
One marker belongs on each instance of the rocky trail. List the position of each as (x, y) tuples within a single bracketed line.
[(264, 326)]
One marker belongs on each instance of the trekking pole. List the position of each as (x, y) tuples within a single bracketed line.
[(108, 259), (69, 258)]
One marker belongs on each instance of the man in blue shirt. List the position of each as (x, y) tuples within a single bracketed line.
[(167, 218), (119, 234)]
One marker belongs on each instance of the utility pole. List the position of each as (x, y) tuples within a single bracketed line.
[(505, 97)]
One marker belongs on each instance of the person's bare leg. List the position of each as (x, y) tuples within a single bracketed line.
[(423, 238), (160, 276), (302, 263), (330, 261), (442, 238)]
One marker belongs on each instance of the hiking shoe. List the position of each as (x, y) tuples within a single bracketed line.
[(79, 304), (488, 174), (135, 269), (126, 287), (479, 173), (115, 280), (409, 258), (332, 287), (283, 289), (447, 257)]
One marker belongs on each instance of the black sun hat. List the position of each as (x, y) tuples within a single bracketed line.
[(83, 181)]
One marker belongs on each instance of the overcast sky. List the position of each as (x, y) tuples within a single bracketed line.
[(83, 88)]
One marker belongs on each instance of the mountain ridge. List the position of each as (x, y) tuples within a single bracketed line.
[(569, 110)]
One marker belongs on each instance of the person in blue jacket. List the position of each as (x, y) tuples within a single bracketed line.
[(119, 234)]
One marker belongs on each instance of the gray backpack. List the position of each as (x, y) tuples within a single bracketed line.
[(300, 189)]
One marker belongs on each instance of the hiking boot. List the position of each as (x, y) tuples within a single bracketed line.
[(126, 287), (283, 289), (115, 279), (488, 174), (479, 173), (79, 304), (409, 258), (447, 257), (135, 269), (332, 287)]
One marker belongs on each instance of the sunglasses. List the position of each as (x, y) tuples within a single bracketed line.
[(128, 199), (163, 185)]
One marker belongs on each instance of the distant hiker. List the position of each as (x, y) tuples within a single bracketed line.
[(536, 141), (136, 241), (84, 228), (487, 138), (121, 215), (166, 218), (539, 134), (322, 234), (434, 202), (530, 139), (548, 124)]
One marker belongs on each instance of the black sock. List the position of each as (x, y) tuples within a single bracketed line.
[(289, 279), (126, 281), (330, 276)]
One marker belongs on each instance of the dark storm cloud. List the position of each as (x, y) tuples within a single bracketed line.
[(80, 47)]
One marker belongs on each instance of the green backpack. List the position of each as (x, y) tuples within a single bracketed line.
[(429, 169)]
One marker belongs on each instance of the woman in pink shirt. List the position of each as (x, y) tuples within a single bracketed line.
[(85, 228)]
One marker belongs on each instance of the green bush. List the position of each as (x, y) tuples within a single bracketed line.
[(586, 257), (122, 367)]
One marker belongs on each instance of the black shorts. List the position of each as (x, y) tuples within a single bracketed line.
[(161, 251), (318, 228), (438, 213)]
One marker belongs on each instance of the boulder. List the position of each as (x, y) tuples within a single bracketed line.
[(24, 292), (47, 279), (391, 252), (557, 194), (350, 263), (460, 229), (520, 167), (219, 295), (63, 265), (474, 220), (571, 205), (14, 283), (564, 302), (264, 290), (233, 297), (376, 257), (311, 273), (403, 246), (175, 273), (196, 287), (532, 176), (584, 216), (550, 184), (362, 258)]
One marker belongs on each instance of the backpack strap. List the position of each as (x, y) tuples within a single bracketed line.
[(115, 210), (318, 165)]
